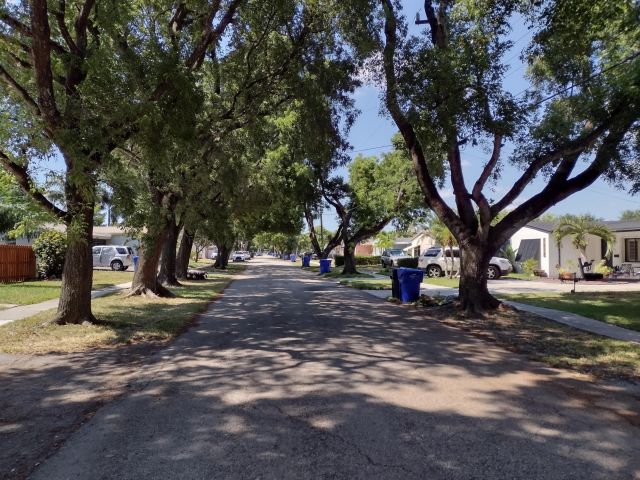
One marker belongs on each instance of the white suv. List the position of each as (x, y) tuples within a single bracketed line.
[(118, 257), (433, 263)]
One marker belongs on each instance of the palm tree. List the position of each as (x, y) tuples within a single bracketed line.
[(579, 226), (445, 238)]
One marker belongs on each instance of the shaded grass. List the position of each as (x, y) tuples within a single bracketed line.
[(552, 343), (36, 291), (618, 308), (128, 320), (373, 284)]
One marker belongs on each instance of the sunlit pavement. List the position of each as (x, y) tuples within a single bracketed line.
[(292, 377)]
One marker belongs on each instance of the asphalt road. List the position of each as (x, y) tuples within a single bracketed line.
[(292, 377)]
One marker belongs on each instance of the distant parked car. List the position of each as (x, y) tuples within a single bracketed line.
[(237, 256), (433, 263), (118, 257), (390, 257)]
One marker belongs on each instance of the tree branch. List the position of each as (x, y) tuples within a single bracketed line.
[(24, 181), (559, 187), (23, 29), (488, 168), (574, 147), (432, 196), (62, 26), (41, 52), (20, 90), (211, 35)]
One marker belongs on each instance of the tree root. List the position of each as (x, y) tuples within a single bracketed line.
[(80, 320), (146, 291)]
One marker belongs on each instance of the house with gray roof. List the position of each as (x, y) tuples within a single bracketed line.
[(536, 240)]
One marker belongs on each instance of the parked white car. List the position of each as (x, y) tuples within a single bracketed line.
[(118, 257), (433, 263), (238, 256)]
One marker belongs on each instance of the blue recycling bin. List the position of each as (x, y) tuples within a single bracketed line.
[(135, 262), (410, 280), (325, 265), (306, 261), (294, 257)]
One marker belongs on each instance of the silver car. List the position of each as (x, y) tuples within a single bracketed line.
[(117, 257), (434, 264), (390, 257)]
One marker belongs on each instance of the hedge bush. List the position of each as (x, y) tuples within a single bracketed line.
[(50, 248), (360, 260), (368, 260), (407, 262)]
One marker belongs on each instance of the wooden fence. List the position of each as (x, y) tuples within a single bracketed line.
[(17, 263)]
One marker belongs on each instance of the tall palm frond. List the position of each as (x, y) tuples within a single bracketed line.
[(578, 227)]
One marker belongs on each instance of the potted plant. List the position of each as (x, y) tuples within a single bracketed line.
[(567, 273), (604, 269)]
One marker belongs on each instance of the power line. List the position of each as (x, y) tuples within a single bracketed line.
[(371, 148), (617, 197), (589, 78)]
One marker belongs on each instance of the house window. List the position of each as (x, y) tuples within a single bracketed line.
[(544, 248), (631, 250)]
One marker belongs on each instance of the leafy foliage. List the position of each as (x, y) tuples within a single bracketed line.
[(50, 248)]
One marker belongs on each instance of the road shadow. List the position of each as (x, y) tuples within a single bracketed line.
[(290, 376)]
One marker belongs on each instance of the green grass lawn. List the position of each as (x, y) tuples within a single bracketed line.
[(367, 284), (520, 276), (135, 319), (550, 342), (36, 291), (617, 308), (442, 281)]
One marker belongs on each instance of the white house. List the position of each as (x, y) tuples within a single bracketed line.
[(419, 243), (102, 235), (536, 241)]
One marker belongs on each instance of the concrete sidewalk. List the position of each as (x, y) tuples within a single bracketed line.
[(26, 311), (581, 323)]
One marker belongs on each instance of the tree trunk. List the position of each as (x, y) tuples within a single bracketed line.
[(167, 274), (145, 280), (475, 298), (184, 253), (222, 259), (77, 277), (349, 259)]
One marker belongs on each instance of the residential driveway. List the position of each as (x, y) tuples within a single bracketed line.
[(505, 285), (514, 286), (292, 377)]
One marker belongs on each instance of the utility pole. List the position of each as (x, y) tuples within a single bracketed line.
[(321, 228)]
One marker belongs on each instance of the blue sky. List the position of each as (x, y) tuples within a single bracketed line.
[(373, 130)]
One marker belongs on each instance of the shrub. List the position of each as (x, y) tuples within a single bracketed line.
[(529, 265), (603, 268), (368, 260), (50, 248), (360, 260), (407, 262)]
